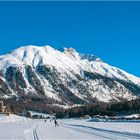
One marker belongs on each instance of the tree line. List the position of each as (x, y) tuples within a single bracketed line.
[(100, 108), (21, 106)]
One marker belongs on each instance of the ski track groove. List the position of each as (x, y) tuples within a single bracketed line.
[(123, 134), (35, 135), (91, 133)]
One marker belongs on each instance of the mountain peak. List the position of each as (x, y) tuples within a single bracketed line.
[(35, 48), (71, 52), (70, 49), (63, 49)]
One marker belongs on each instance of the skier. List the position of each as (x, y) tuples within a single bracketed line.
[(55, 122)]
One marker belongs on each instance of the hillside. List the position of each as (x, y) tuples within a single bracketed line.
[(63, 77)]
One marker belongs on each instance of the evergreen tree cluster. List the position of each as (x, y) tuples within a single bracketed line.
[(21, 106), (100, 108)]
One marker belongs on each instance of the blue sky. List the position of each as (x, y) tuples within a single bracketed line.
[(110, 30)]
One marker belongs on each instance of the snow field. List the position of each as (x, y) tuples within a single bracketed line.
[(20, 128)]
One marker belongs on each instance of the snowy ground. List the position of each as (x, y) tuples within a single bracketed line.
[(14, 127)]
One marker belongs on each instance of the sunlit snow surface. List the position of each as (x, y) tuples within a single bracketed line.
[(16, 128)]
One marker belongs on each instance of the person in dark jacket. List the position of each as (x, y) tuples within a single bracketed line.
[(55, 122)]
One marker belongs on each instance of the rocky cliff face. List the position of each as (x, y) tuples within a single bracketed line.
[(65, 77)]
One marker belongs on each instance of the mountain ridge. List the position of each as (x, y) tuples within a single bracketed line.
[(66, 76)]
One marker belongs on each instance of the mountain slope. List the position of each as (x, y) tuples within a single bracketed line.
[(64, 76)]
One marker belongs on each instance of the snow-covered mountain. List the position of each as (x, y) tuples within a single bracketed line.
[(65, 76)]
